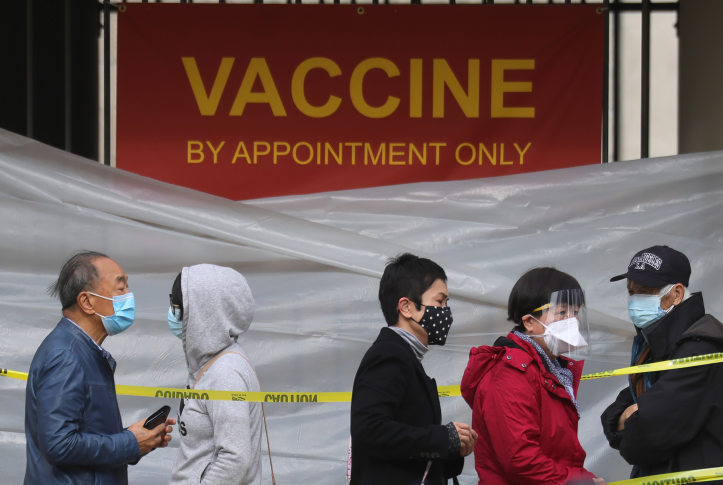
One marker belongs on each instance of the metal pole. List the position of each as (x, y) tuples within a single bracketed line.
[(68, 78), (29, 69), (645, 79), (106, 82), (616, 87), (606, 83)]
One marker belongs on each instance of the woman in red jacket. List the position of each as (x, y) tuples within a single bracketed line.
[(523, 394)]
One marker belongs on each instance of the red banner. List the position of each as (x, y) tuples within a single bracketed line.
[(250, 101)]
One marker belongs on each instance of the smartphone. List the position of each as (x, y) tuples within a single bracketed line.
[(157, 418)]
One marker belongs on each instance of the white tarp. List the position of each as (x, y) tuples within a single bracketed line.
[(313, 264)]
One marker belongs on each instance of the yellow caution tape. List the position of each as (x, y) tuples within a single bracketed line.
[(174, 393), (660, 366), (677, 478), (443, 391), (14, 374)]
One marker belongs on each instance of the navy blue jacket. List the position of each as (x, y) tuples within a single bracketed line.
[(72, 422)]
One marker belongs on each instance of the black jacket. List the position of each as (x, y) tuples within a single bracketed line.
[(396, 420), (679, 422)]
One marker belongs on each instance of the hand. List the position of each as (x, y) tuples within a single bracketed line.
[(474, 442), (150, 439), (467, 438), (624, 417), (465, 450), (599, 481)]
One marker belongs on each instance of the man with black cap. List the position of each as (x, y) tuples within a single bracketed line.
[(668, 421)]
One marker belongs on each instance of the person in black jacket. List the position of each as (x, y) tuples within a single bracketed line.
[(670, 421), (396, 433)]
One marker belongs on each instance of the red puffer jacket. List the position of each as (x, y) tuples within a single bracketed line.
[(526, 421)]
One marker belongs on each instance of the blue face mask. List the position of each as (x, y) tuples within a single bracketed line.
[(174, 324), (645, 310), (124, 307)]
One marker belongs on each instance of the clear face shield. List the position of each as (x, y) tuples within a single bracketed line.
[(566, 327)]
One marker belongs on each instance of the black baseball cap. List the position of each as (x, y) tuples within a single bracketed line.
[(658, 266)]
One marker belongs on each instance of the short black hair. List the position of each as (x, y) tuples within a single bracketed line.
[(77, 275), (533, 290), (177, 294), (407, 276)]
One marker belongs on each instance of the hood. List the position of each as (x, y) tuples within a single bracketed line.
[(514, 352), (481, 361), (707, 328), (217, 308)]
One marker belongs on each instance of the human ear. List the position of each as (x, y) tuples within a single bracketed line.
[(84, 303), (678, 293), (673, 298), (403, 307), (527, 322)]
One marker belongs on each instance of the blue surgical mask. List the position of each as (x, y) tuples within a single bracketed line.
[(124, 307), (645, 310), (174, 324)]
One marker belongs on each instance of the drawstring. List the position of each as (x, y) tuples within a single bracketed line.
[(429, 465), (268, 443), (266, 427)]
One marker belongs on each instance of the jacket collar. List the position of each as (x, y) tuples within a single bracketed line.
[(388, 335), (430, 385), (513, 341), (663, 335), (707, 328), (77, 332)]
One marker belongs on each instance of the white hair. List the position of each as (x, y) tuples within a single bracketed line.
[(665, 289)]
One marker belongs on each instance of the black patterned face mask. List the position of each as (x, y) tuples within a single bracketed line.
[(436, 321)]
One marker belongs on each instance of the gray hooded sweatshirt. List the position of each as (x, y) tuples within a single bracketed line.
[(220, 440)]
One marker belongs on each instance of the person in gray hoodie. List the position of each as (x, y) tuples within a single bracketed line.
[(220, 440)]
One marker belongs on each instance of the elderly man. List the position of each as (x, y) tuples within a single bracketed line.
[(72, 422), (668, 421)]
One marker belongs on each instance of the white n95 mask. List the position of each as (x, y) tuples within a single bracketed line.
[(566, 328), (563, 336)]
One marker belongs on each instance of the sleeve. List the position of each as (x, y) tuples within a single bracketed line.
[(611, 415), (453, 467), (61, 395), (232, 426), (511, 415), (378, 393), (671, 413)]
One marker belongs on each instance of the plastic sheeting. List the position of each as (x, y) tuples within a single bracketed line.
[(313, 264)]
